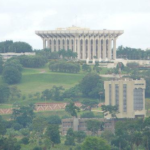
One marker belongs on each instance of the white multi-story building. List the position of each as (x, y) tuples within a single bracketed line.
[(89, 44), (128, 95)]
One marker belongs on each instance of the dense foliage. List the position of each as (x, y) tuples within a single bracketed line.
[(94, 125), (23, 115), (17, 47), (53, 133), (63, 66), (132, 53), (54, 93), (1, 65), (72, 109), (95, 143), (32, 61), (12, 71), (11, 75), (4, 93), (91, 85), (70, 137)]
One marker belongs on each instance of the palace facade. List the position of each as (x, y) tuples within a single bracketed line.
[(88, 44)]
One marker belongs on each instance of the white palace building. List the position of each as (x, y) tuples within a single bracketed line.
[(89, 44)]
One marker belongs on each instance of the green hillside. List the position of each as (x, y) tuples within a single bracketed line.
[(37, 80)]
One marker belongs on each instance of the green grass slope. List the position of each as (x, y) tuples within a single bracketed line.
[(37, 80)]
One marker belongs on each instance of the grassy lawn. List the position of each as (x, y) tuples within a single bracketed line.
[(38, 79), (5, 106), (104, 70), (60, 113), (34, 81)]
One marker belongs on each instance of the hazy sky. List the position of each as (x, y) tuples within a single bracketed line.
[(20, 18)]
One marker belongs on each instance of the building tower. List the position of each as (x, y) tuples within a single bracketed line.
[(128, 95)]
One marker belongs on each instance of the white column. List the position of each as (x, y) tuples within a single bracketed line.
[(48, 43), (99, 48), (44, 43), (109, 49), (89, 48), (70, 44), (83, 51), (104, 49), (56, 44), (94, 47), (74, 45), (114, 48), (58, 39), (52, 41), (78, 47), (61, 44), (65, 43)]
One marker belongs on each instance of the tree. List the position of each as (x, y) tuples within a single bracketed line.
[(54, 119), (9, 144), (25, 140), (125, 132), (86, 68), (11, 75), (19, 47), (88, 104), (147, 90), (80, 136), (52, 133), (63, 66), (1, 64), (4, 93), (146, 133), (132, 53), (39, 124), (73, 92), (56, 93), (72, 109), (5, 46), (95, 143), (46, 94), (107, 135), (23, 115), (70, 137), (14, 92), (94, 126), (91, 85), (2, 126), (137, 136), (36, 61), (13, 62), (112, 110), (37, 148)]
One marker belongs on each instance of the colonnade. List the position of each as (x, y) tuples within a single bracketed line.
[(86, 48)]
